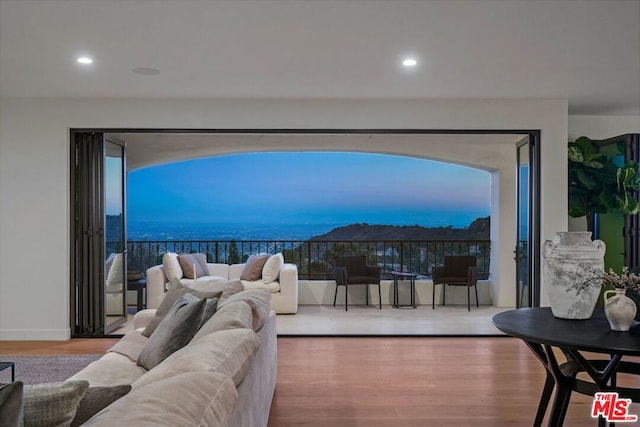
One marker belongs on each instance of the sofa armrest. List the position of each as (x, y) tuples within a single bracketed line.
[(142, 318), (156, 286), (289, 284)]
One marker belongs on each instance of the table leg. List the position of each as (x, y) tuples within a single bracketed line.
[(544, 400), (139, 299), (395, 291)]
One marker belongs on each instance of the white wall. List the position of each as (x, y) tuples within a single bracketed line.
[(34, 172)]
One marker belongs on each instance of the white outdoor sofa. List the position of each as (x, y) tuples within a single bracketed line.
[(284, 291)]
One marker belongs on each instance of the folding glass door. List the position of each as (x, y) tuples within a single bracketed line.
[(98, 235)]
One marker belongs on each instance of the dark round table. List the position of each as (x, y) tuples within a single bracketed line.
[(541, 331)]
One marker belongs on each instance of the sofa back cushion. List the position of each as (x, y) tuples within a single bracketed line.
[(236, 315), (130, 345), (190, 399), (260, 302), (229, 352), (220, 270)]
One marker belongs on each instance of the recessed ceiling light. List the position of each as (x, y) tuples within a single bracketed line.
[(85, 60), (409, 62), (146, 71)]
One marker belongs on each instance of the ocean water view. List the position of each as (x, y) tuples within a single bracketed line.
[(141, 230)]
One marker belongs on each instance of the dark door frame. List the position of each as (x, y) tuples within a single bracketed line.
[(534, 136)]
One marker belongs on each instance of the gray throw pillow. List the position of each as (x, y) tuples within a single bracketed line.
[(96, 399), (188, 263), (170, 299), (174, 331), (253, 267), (209, 310), (52, 404), (11, 404), (202, 260)]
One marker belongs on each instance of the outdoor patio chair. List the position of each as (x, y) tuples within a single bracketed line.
[(456, 271), (353, 270)]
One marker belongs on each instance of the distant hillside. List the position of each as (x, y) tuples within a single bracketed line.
[(477, 230)]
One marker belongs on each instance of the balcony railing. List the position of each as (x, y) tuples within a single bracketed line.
[(315, 258)]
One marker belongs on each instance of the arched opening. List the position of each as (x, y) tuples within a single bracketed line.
[(491, 152)]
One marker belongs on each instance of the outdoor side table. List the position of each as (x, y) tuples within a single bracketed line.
[(411, 277), (140, 286), (7, 365)]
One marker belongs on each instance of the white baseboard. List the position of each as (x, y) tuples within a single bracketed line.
[(35, 334)]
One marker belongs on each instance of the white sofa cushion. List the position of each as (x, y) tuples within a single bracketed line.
[(191, 399), (272, 287), (229, 352), (172, 268), (271, 269), (260, 302), (236, 315), (204, 279), (110, 371)]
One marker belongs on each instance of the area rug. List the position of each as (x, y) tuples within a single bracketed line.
[(45, 369)]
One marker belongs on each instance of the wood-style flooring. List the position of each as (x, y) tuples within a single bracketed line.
[(392, 381)]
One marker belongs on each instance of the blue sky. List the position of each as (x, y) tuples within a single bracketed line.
[(309, 188)]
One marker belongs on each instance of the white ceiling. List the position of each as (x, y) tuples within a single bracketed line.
[(586, 51)]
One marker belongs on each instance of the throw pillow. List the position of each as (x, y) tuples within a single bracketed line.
[(171, 265), (174, 331), (227, 287), (115, 273), (169, 300), (190, 267), (11, 404), (52, 404), (253, 267), (202, 260), (96, 399), (209, 308), (271, 269)]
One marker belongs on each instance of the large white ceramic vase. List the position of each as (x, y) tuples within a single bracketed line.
[(572, 258)]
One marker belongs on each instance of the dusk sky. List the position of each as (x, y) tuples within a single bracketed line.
[(309, 188)]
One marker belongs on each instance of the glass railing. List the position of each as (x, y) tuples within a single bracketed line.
[(315, 258)]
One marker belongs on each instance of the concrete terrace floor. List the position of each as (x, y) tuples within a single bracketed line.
[(363, 320)]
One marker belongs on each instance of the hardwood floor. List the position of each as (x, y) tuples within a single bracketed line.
[(396, 382)]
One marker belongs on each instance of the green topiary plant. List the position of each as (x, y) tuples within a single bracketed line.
[(597, 185)]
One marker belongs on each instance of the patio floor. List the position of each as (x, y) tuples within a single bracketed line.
[(363, 320)]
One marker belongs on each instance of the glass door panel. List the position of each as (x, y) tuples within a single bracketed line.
[(114, 237), (523, 246)]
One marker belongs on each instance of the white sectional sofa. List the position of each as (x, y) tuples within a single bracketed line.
[(284, 290), (224, 377)]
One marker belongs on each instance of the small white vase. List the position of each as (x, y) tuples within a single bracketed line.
[(570, 258), (619, 309)]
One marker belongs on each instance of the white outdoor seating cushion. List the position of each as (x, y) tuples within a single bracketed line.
[(229, 352), (220, 270), (115, 273), (272, 287), (235, 271), (204, 279), (110, 371), (271, 268), (191, 399), (172, 266)]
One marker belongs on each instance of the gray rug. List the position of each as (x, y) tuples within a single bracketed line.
[(45, 369)]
